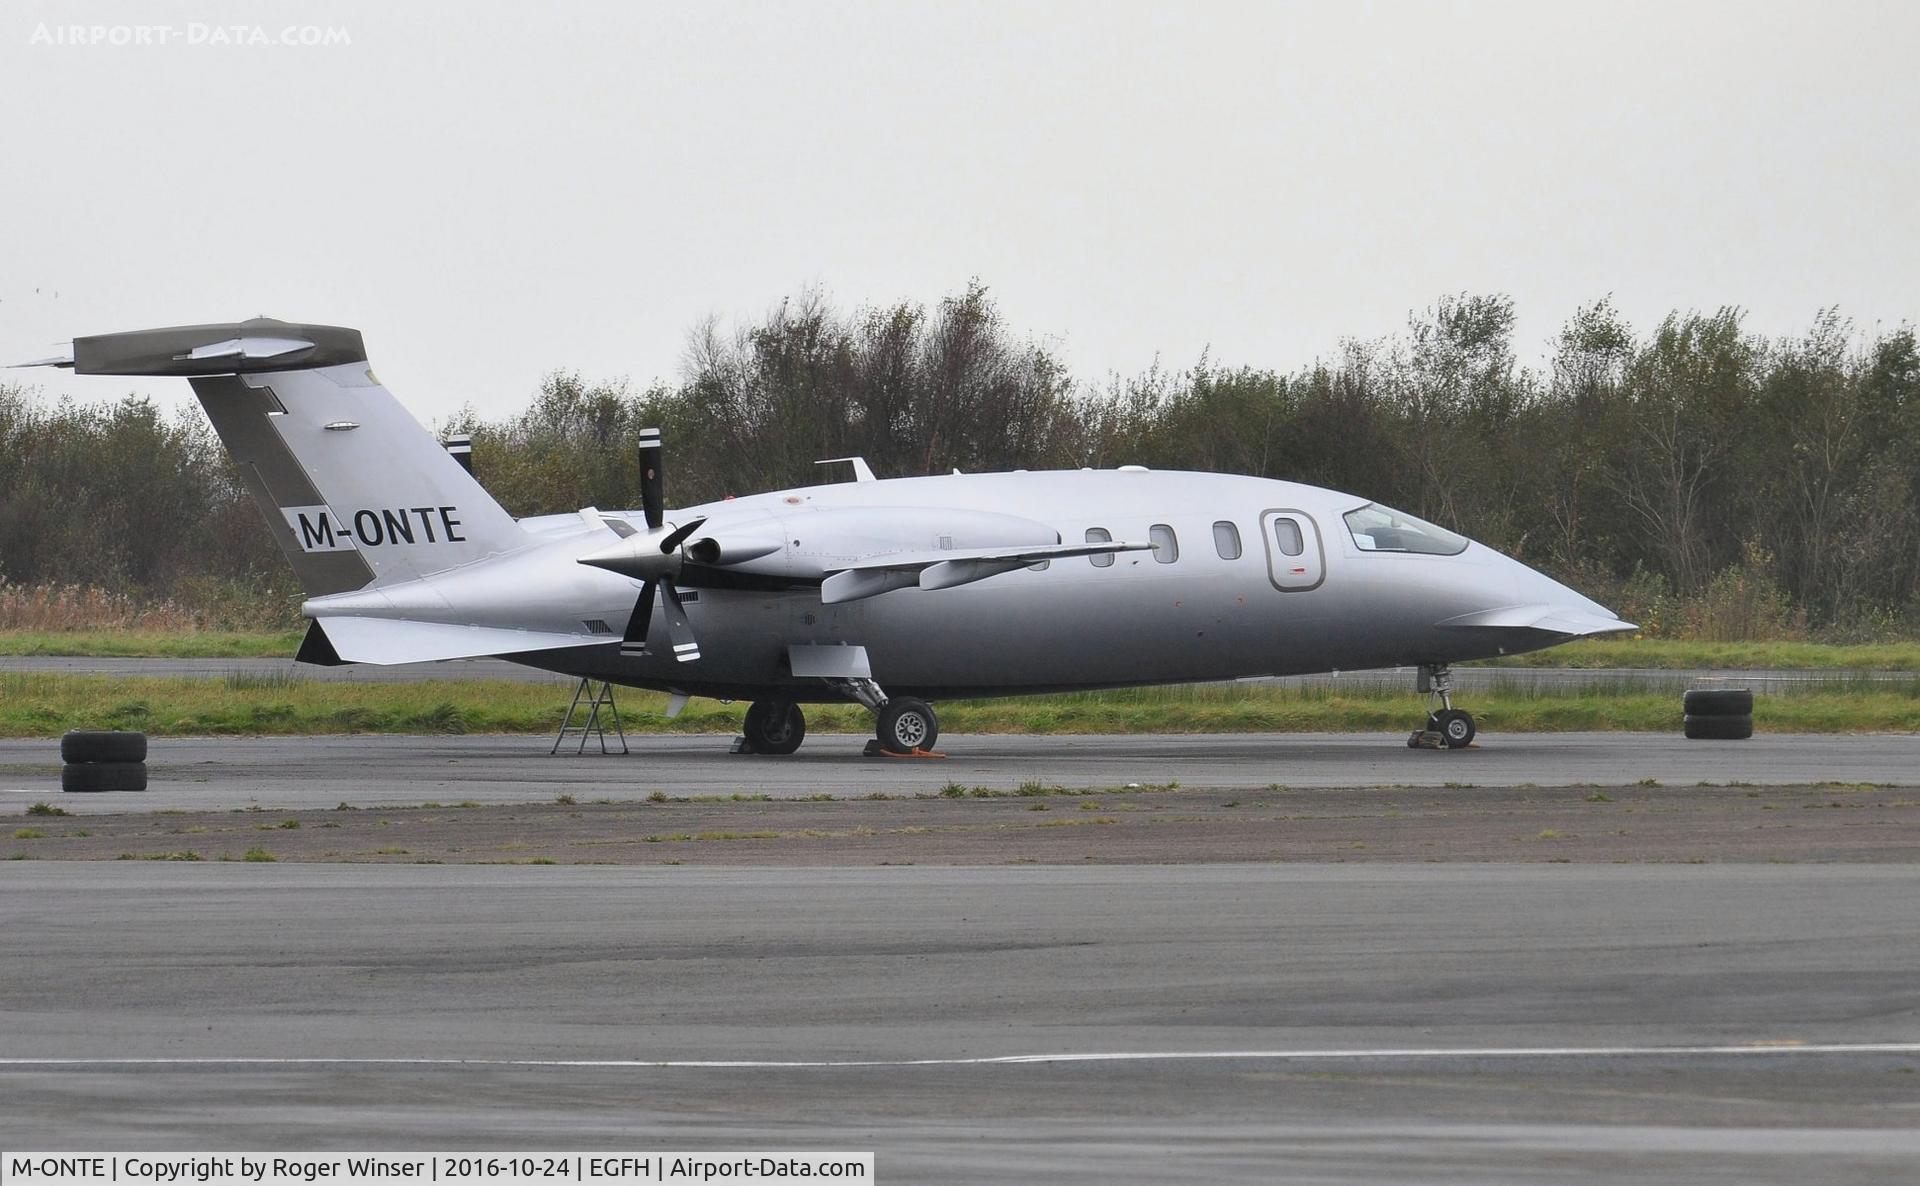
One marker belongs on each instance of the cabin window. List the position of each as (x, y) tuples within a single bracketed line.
[(1166, 549), (1286, 533), (1382, 529), (1100, 535), (1226, 540)]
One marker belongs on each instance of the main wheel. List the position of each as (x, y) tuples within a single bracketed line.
[(906, 724), (1455, 726), (774, 726)]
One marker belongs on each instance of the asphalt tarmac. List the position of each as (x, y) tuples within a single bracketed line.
[(1245, 1023), (1762, 682), (379, 770)]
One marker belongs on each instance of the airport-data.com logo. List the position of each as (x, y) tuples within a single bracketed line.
[(194, 34)]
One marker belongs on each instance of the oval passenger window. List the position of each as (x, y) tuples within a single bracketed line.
[(1100, 535), (1226, 540), (1166, 549)]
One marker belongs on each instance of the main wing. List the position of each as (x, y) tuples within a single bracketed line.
[(945, 569)]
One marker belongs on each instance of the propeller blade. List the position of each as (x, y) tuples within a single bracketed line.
[(685, 649), (633, 641), (679, 536), (653, 498)]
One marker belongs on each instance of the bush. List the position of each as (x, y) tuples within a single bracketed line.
[(1743, 604)]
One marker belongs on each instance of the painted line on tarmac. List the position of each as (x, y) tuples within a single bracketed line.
[(1764, 1049)]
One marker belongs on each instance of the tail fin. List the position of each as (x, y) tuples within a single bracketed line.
[(355, 491)]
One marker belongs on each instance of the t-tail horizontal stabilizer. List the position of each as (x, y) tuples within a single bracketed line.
[(226, 348)]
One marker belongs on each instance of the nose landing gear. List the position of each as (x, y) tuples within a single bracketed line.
[(1447, 727)]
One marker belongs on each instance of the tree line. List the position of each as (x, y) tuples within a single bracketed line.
[(1702, 479)]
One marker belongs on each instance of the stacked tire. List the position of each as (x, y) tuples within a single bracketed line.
[(102, 761), (1719, 714)]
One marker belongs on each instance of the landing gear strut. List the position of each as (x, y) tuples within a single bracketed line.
[(774, 727), (902, 724), (1447, 727)]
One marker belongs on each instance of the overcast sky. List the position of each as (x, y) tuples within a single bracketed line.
[(492, 191)]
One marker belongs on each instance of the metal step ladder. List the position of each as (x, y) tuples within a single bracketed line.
[(594, 701)]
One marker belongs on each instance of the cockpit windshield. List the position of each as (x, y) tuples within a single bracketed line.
[(1382, 529)]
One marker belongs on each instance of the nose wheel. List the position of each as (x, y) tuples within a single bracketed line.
[(1455, 727), (1447, 727)]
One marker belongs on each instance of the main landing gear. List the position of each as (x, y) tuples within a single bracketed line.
[(902, 724), (1447, 727), (774, 727)]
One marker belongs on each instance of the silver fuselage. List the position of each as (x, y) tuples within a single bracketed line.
[(1072, 624)]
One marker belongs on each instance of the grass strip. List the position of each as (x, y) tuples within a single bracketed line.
[(152, 644), (40, 704)]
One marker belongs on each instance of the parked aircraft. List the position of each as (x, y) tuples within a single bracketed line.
[(890, 593)]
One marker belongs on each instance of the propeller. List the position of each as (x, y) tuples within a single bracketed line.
[(652, 485), (633, 641), (652, 556)]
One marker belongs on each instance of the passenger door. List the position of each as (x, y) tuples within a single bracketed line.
[(1296, 560)]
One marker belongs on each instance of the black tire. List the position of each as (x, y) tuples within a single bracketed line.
[(1719, 702), (1455, 727), (84, 746), (1726, 727), (774, 726), (905, 724), (104, 776)]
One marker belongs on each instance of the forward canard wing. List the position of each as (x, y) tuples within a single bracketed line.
[(1549, 619)]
